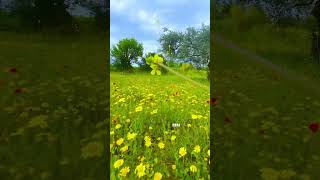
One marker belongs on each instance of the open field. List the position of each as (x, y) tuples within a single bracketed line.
[(53, 106), (263, 120), (143, 109)]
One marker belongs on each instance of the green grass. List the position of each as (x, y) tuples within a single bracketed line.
[(55, 128), (269, 114), (140, 101)]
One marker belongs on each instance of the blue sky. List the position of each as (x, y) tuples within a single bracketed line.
[(144, 19)]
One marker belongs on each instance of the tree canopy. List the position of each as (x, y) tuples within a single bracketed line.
[(126, 52), (191, 46)]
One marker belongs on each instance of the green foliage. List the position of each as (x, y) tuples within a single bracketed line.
[(126, 52), (170, 42), (145, 67), (153, 62), (191, 46), (186, 66)]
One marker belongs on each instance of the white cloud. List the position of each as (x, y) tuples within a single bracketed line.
[(150, 46), (120, 6), (172, 2)]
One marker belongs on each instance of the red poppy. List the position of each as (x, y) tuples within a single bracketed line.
[(212, 101), (18, 90), (13, 70), (227, 120), (314, 127)]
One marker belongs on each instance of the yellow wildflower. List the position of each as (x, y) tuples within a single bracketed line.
[(119, 141), (197, 149), (121, 100), (173, 138), (118, 163), (124, 149), (182, 152), (131, 135), (174, 167), (148, 143), (118, 126), (193, 168), (140, 170), (139, 108), (124, 171), (189, 125), (157, 176), (161, 145)]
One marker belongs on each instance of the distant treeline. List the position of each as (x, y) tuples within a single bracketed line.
[(53, 15)]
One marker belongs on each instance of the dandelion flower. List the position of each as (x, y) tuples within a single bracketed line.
[(197, 149), (182, 152), (118, 163), (124, 149), (147, 138), (118, 126), (189, 125), (131, 135), (157, 176), (174, 167), (119, 141), (148, 143), (173, 138), (193, 168), (124, 171), (139, 108), (161, 145), (111, 132), (140, 170)]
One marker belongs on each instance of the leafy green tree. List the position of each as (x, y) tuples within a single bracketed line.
[(192, 46), (195, 47), (126, 52), (170, 42)]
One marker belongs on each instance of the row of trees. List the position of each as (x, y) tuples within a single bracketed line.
[(191, 46), (48, 14), (247, 13)]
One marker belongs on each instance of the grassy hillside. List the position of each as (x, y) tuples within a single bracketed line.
[(147, 106), (52, 117), (262, 117)]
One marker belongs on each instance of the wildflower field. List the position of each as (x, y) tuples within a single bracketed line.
[(53, 106), (266, 122), (159, 126)]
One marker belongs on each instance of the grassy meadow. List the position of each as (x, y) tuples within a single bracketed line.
[(53, 105), (262, 117), (144, 144)]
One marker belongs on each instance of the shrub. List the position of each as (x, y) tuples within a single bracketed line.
[(186, 66)]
